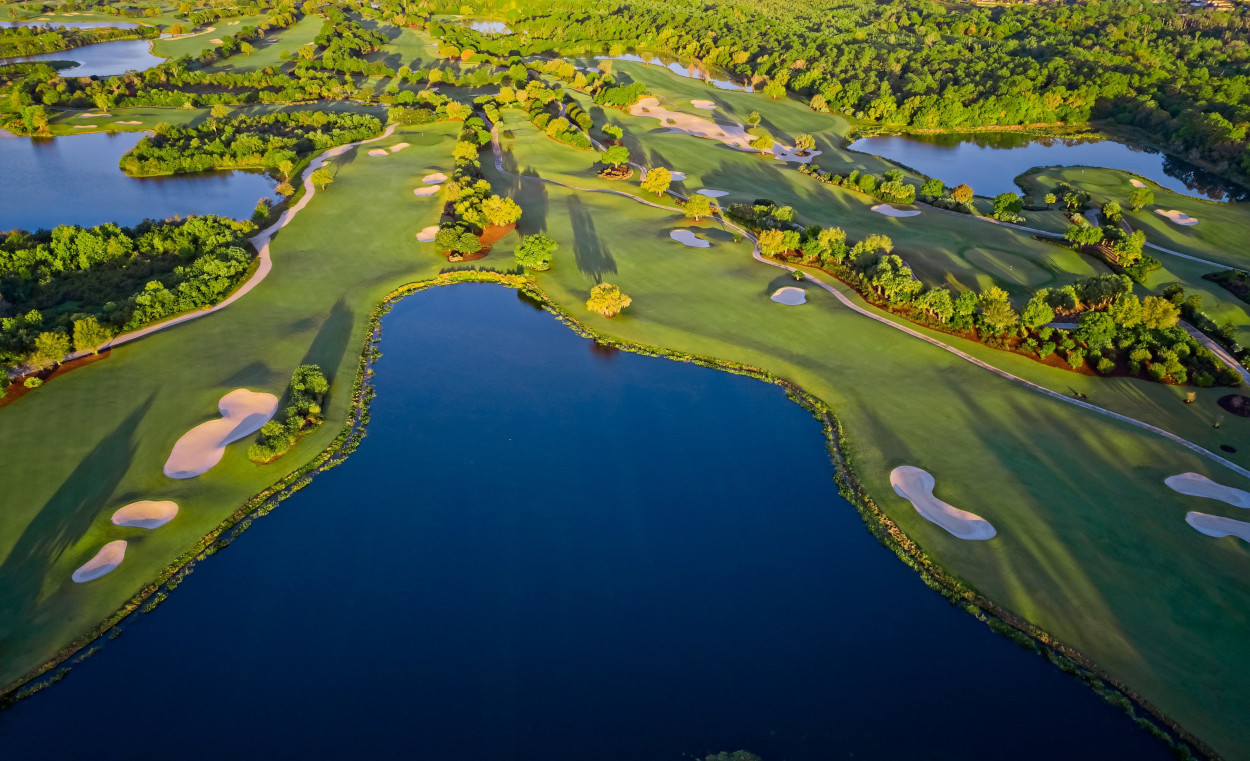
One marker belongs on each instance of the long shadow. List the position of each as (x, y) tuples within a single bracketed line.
[(593, 257), (533, 198), (64, 519), (331, 340)]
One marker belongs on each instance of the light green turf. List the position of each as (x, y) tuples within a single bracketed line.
[(198, 41), (268, 53)]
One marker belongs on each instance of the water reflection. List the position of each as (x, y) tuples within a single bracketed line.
[(104, 59)]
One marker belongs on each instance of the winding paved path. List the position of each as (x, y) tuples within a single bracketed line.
[(260, 241), (850, 304)]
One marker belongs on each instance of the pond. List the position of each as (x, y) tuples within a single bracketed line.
[(490, 27), (690, 71), (546, 549), (990, 163), (103, 59), (76, 180)]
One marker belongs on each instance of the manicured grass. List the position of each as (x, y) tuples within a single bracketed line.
[(1091, 545), (268, 53), (198, 42)]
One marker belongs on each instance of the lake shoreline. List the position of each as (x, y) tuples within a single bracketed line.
[(879, 525)]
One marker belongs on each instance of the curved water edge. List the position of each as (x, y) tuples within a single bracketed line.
[(879, 525), (85, 169), (989, 162), (101, 59)]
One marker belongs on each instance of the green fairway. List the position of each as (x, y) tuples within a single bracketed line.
[(268, 50)]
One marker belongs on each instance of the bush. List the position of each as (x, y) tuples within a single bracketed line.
[(1157, 371), (302, 415), (1105, 366)]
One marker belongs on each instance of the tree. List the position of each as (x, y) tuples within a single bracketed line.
[(246, 48), (1049, 199), (937, 302), (657, 180), (996, 312), (50, 349), (500, 211), (775, 90), (697, 207), (616, 155), (322, 177), (607, 300), (535, 252), (962, 193), (772, 243), (90, 335), (804, 144), (1037, 313), (1111, 212), (1125, 311), (1159, 313), (218, 112), (933, 188), (763, 143), (1083, 235), (818, 103), (1007, 206), (464, 151), (1140, 198), (753, 119), (467, 243), (1096, 330)]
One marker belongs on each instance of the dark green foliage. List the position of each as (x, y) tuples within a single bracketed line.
[(302, 415)]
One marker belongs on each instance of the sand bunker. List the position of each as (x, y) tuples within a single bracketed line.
[(90, 116), (109, 557), (1177, 217), (786, 153), (890, 211), (435, 178), (84, 126), (428, 190), (1214, 525), (790, 296), (698, 126), (243, 412), (379, 152), (397, 147), (688, 238), (916, 486), (427, 234), (1197, 485), (215, 41), (712, 193), (145, 514), (128, 122), (704, 104), (1137, 183), (232, 23)]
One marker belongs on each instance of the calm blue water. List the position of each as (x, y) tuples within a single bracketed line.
[(103, 59), (76, 180), (546, 550), (990, 164)]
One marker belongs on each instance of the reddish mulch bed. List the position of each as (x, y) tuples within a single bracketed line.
[(489, 237), (17, 390)]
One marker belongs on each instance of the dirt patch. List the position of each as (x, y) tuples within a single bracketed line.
[(489, 237)]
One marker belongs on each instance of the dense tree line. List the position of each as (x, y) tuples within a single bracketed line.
[(1176, 72), (123, 278), (33, 40), (271, 141)]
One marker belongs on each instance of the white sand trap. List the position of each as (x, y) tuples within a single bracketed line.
[(698, 126), (704, 104), (678, 176), (243, 412), (146, 514), (790, 296), (712, 193), (90, 116), (890, 211), (1137, 183), (128, 122), (1197, 485), (397, 147), (379, 152), (215, 41), (434, 179), (787, 153), (916, 486), (427, 234), (84, 126), (428, 190), (109, 557), (1177, 217), (688, 238), (1214, 525), (233, 23)]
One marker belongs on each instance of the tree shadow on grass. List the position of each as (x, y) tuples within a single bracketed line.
[(593, 257), (63, 520), (331, 340)]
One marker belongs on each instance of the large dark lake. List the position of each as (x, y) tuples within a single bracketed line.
[(547, 550), (76, 180), (103, 59), (990, 163)]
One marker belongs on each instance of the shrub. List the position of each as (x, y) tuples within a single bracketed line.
[(302, 415)]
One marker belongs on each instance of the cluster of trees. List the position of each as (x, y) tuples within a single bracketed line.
[(536, 251), (301, 416), (1115, 331), (958, 198), (1167, 69), (473, 205), (607, 300), (33, 40), (276, 141), (122, 278), (889, 187)]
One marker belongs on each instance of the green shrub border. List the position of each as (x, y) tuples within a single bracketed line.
[(955, 590)]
